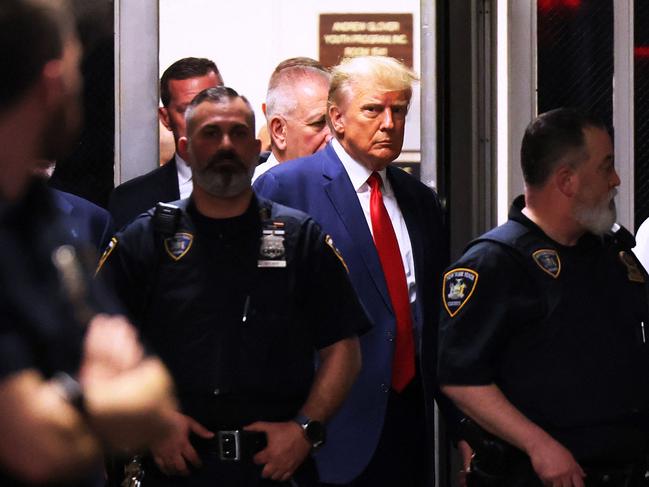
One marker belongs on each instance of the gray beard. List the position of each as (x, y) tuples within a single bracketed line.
[(223, 184), (597, 219)]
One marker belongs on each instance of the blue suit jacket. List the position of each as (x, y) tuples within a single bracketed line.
[(86, 222), (319, 185)]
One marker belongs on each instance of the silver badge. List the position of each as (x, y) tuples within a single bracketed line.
[(271, 251)]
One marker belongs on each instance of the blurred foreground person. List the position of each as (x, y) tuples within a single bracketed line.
[(239, 295), (73, 380), (542, 341)]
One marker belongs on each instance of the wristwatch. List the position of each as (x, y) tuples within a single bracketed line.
[(314, 431)]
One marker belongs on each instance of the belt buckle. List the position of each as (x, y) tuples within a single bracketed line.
[(229, 445)]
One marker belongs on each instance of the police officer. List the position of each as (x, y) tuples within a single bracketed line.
[(237, 294), (543, 333), (72, 380)]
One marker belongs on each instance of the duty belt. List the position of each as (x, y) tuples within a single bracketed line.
[(232, 445)]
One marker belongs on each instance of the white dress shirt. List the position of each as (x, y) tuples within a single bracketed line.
[(358, 174), (185, 185), (270, 163)]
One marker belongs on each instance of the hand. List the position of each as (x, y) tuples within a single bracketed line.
[(555, 465), (466, 455), (110, 347), (287, 448), (174, 452)]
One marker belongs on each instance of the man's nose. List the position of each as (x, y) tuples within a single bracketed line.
[(226, 141), (387, 120), (615, 182)]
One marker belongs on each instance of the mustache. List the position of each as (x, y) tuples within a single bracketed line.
[(224, 155)]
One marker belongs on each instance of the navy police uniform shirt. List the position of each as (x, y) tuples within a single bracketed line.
[(236, 307), (560, 330), (40, 328)]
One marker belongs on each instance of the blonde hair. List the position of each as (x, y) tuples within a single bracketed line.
[(379, 72)]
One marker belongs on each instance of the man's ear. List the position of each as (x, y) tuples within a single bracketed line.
[(183, 150), (277, 131), (163, 115), (336, 118), (51, 83), (566, 180)]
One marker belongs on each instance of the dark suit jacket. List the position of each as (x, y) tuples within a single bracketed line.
[(85, 221), (136, 196), (320, 186)]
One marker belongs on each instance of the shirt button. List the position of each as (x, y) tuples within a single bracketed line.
[(390, 336), (385, 388), (217, 391)]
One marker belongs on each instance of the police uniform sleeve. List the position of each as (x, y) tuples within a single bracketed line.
[(128, 264), (15, 352), (329, 301), (484, 295)]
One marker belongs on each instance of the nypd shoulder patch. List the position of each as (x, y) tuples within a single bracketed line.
[(459, 284), (330, 242), (178, 245), (634, 274), (104, 256), (548, 260)]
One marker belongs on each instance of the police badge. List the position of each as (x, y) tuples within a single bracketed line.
[(459, 285), (178, 245), (271, 250), (548, 260)]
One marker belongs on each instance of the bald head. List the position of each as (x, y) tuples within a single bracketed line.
[(295, 110)]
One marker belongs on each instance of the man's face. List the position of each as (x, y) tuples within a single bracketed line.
[(182, 92), (594, 205), (306, 127), (221, 148), (369, 123)]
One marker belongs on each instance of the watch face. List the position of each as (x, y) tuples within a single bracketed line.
[(315, 432)]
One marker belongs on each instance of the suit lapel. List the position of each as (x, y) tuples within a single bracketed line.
[(343, 197), (170, 186)]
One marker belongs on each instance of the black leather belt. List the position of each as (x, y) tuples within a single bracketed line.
[(232, 445)]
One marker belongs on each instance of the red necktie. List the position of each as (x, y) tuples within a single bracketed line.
[(403, 365)]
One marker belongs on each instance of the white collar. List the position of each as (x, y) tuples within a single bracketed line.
[(358, 174), (271, 161), (184, 171)]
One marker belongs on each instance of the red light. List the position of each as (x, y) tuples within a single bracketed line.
[(548, 5), (641, 52)]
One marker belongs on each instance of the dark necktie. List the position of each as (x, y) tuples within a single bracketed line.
[(387, 246)]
